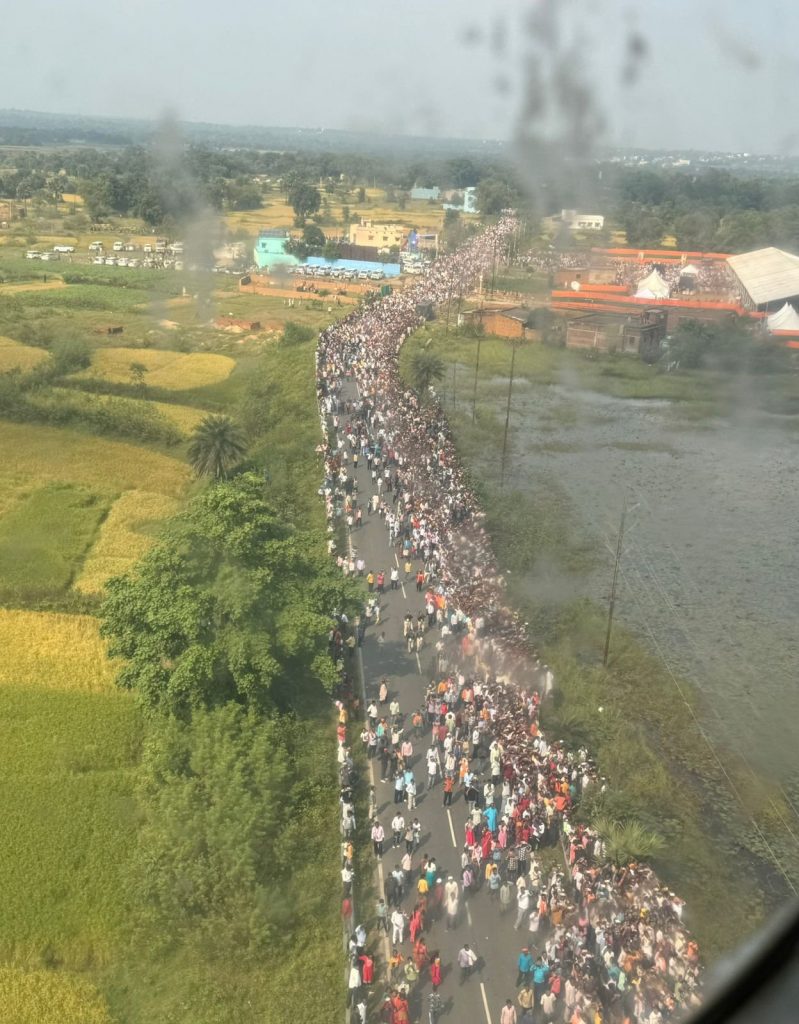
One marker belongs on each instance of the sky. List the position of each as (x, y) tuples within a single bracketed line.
[(704, 74)]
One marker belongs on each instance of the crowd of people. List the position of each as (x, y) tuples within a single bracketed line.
[(604, 943)]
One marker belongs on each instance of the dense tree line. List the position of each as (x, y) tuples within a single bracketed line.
[(707, 210)]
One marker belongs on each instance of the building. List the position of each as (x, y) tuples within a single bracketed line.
[(469, 203), (576, 221), (426, 193), (378, 236), (270, 249), (636, 333), (511, 322), (768, 278)]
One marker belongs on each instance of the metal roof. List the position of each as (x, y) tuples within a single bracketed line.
[(768, 275)]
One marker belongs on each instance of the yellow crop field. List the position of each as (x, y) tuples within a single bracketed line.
[(35, 455), (16, 356), (121, 542), (185, 417), (54, 651), (173, 370), (49, 997), (32, 286)]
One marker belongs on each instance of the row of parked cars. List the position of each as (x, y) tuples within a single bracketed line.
[(338, 273)]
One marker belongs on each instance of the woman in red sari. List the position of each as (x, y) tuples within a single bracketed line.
[(435, 970), (420, 954)]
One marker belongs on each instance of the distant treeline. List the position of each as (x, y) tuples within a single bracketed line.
[(707, 210)]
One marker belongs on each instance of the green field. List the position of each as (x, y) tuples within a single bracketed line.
[(44, 538), (66, 802)]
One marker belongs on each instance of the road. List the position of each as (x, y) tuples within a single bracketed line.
[(479, 924)]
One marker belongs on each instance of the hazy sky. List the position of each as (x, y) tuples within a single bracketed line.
[(716, 74)]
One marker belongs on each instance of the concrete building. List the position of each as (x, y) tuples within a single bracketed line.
[(378, 236), (425, 193), (576, 221), (638, 334), (270, 249), (469, 203)]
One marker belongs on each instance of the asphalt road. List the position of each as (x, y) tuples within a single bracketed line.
[(481, 997)]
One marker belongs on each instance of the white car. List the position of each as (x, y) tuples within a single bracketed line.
[(63, 248), (50, 257), (363, 275), (376, 275), (98, 261), (33, 254), (118, 246), (110, 261), (95, 246), (130, 247), (122, 261), (148, 248), (133, 263)]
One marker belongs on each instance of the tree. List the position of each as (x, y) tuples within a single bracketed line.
[(313, 236), (626, 841), (233, 605), (696, 231), (305, 200), (137, 375), (216, 446), (426, 369), (495, 195), (644, 230), (361, 194), (331, 250)]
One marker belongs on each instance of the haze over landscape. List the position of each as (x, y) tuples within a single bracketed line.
[(399, 437), (706, 75)]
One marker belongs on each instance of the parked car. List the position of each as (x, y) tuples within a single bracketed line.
[(122, 261), (118, 246), (376, 275), (50, 257), (147, 247), (363, 275), (95, 246), (133, 263), (98, 260), (63, 248), (110, 261), (33, 254)]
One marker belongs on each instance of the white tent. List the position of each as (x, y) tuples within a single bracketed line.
[(689, 270), (785, 319), (652, 287)]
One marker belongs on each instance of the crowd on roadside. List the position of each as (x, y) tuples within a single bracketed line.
[(608, 943)]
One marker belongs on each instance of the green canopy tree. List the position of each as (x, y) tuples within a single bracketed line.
[(216, 446), (233, 606), (305, 200)]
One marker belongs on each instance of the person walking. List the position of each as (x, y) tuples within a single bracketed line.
[(525, 965), (522, 906), (508, 1014), (435, 970), (467, 959), (397, 926), (451, 899), (378, 836)]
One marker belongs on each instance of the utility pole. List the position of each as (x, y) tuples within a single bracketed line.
[(616, 567), (449, 303), (476, 371), (507, 417)]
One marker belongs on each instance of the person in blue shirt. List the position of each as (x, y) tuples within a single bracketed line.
[(525, 967), (490, 815), (540, 978)]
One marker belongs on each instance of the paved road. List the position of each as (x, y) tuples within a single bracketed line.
[(480, 924)]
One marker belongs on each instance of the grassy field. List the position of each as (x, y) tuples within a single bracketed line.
[(53, 651), (38, 997), (15, 356), (123, 537), (174, 371), (35, 456), (44, 538)]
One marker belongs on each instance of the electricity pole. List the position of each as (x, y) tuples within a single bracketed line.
[(616, 567), (476, 371), (507, 417)]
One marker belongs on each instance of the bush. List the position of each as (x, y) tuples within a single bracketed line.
[(296, 334), (70, 355)]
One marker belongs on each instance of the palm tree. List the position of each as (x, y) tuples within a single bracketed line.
[(626, 841), (426, 368), (217, 444)]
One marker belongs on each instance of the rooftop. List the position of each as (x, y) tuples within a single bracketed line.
[(768, 275)]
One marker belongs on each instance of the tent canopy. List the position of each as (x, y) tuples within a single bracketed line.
[(785, 319), (690, 270), (653, 287)]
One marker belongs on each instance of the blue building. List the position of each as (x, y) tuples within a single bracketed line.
[(270, 249)]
